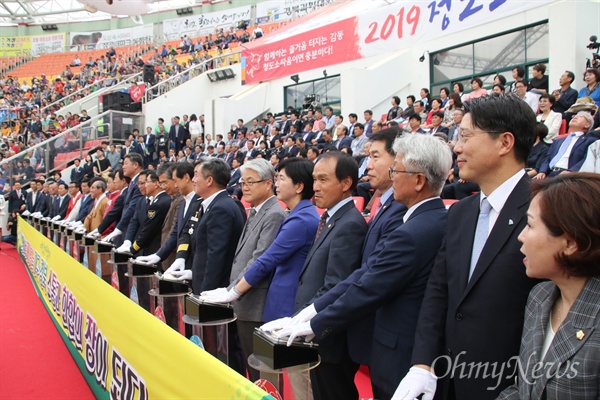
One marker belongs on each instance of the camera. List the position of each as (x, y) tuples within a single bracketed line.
[(594, 45), (593, 62)]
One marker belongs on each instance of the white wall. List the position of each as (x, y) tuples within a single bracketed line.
[(370, 83)]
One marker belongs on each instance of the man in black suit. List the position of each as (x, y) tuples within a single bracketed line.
[(182, 175), (335, 254), (16, 198), (233, 186), (34, 196), (114, 215), (436, 121), (474, 304), (45, 202)]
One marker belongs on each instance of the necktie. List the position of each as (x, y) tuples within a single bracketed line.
[(481, 234), (251, 215), (561, 151), (321, 224)]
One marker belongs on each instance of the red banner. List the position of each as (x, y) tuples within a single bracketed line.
[(327, 45)]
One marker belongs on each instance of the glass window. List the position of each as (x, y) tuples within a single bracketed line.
[(537, 43), (451, 63), (500, 52), (321, 92)]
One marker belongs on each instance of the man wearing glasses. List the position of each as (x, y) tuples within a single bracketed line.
[(473, 310)]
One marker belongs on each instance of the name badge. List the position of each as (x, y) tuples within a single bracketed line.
[(194, 219)]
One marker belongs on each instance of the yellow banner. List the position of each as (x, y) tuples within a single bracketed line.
[(35, 44), (122, 350)]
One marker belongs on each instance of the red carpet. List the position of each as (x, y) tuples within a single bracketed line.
[(34, 362)]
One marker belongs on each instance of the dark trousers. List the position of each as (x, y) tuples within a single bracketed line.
[(246, 332), (236, 359), (334, 381)]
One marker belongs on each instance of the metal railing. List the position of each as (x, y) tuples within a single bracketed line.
[(191, 72), (58, 152)]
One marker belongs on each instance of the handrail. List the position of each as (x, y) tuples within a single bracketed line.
[(87, 87), (175, 80)]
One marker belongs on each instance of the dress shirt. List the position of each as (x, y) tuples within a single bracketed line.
[(413, 208), (564, 160), (188, 200), (206, 203), (498, 197), (331, 211)]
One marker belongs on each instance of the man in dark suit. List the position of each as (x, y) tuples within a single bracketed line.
[(45, 202), (564, 155), (87, 201), (150, 141), (391, 284), (335, 254), (436, 121), (34, 196), (233, 186), (474, 304), (176, 135), (343, 140), (145, 241), (308, 135), (61, 202), (182, 175), (132, 166), (16, 198)]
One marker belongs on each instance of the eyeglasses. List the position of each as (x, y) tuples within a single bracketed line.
[(250, 184), (162, 184), (393, 172), (466, 134)]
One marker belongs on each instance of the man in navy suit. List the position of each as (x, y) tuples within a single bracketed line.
[(176, 135), (343, 140), (132, 166), (474, 305), (391, 282), (87, 201), (335, 254), (16, 198), (568, 153), (150, 141), (61, 202), (34, 196)]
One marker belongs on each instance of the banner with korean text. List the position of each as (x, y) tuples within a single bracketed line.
[(345, 31), (202, 24), (122, 350), (282, 10), (113, 38), (35, 44)]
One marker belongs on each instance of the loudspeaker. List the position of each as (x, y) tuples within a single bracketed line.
[(148, 73)]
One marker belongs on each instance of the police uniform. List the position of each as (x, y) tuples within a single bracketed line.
[(150, 219)]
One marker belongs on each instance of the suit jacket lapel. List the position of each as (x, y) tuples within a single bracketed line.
[(373, 221), (328, 228), (513, 211), (573, 333), (254, 222)]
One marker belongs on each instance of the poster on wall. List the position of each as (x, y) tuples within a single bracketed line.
[(283, 10), (114, 38), (345, 31), (202, 24), (35, 44)]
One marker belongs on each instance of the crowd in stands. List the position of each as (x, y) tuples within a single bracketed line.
[(388, 305)]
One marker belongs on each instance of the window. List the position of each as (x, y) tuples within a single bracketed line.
[(327, 90)]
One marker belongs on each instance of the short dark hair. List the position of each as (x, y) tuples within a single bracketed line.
[(368, 112), (163, 168), (345, 166), (578, 193), (505, 114), (353, 115), (445, 90), (359, 125), (413, 98), (300, 171), (498, 85), (420, 102), (571, 75), (550, 98), (593, 71), (396, 100), (438, 114), (388, 136), (478, 80), (520, 71), (501, 78), (64, 185), (461, 87), (183, 169), (135, 158), (218, 169), (415, 116), (540, 67), (541, 130)]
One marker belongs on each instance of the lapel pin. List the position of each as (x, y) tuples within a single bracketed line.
[(510, 222), (579, 335), (329, 226)]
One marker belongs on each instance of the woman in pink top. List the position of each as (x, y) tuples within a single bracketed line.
[(478, 90)]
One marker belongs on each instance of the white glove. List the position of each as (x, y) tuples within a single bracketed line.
[(304, 315), (36, 214), (113, 235), (151, 259), (94, 233), (26, 213), (81, 229), (56, 218), (417, 381), (220, 295), (125, 247), (185, 275), (275, 324), (294, 331), (77, 223), (178, 265), (46, 218)]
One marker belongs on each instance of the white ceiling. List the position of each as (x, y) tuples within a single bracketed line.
[(62, 11)]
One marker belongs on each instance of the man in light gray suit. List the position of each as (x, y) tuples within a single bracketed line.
[(264, 219)]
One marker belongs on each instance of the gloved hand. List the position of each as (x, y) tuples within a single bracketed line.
[(304, 315), (113, 235), (178, 265), (151, 259), (77, 223), (220, 295), (417, 381), (26, 213), (125, 247), (275, 324), (95, 233), (56, 218), (185, 275), (46, 218), (80, 229), (293, 331)]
